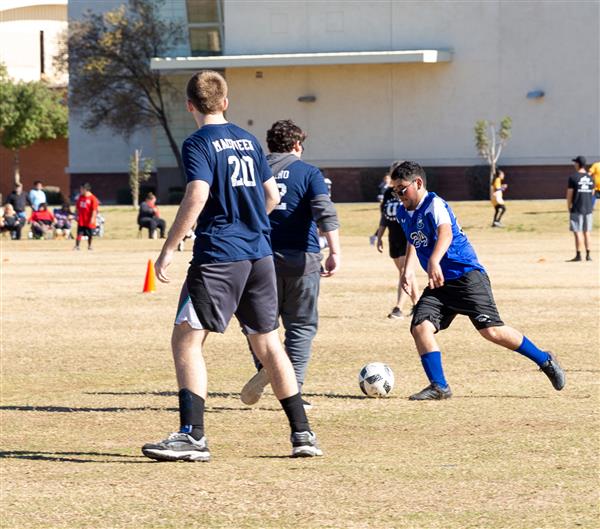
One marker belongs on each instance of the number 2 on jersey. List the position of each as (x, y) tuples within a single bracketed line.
[(243, 171)]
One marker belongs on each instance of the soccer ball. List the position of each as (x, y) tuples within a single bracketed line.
[(376, 379)]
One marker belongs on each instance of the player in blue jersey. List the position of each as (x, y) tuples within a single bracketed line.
[(458, 283), (305, 205), (230, 189), (396, 244)]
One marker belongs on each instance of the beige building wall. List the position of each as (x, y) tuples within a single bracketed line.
[(20, 24), (370, 115)]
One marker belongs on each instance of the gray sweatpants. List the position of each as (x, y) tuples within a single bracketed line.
[(297, 297)]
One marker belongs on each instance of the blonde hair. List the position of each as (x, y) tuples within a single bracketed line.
[(207, 91)]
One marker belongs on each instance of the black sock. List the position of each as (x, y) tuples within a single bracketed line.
[(578, 254), (587, 254), (294, 409), (191, 413)]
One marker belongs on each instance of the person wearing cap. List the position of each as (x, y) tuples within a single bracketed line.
[(580, 191)]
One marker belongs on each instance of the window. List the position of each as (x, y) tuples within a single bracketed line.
[(205, 21)]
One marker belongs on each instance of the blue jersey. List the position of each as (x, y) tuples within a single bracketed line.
[(421, 229), (291, 220), (233, 225)]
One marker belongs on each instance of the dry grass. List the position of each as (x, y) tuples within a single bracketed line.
[(87, 378)]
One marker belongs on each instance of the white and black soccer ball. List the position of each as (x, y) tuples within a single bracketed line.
[(376, 379)]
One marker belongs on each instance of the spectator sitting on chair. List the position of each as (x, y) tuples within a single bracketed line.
[(42, 221), (149, 217), (11, 222), (64, 219)]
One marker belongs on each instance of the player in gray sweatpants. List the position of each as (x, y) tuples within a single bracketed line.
[(305, 211)]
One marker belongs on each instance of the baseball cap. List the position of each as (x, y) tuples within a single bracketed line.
[(580, 160)]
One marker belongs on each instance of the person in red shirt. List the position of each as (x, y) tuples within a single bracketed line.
[(42, 221), (87, 210)]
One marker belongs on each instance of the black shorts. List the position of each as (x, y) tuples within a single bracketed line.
[(85, 231), (469, 295), (397, 243), (214, 292)]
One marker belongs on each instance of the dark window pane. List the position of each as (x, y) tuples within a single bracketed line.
[(202, 11), (205, 41)]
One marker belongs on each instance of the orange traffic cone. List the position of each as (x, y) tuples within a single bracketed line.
[(149, 282)]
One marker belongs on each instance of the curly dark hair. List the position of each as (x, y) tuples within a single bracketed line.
[(408, 171), (283, 134)]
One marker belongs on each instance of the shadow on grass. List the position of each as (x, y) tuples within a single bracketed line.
[(67, 457), (218, 394), (69, 409)]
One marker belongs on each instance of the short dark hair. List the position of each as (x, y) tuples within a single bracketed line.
[(207, 91), (283, 134), (87, 186), (150, 196), (36, 182), (409, 172)]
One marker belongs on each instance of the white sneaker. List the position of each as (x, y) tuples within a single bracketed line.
[(304, 444), (178, 447), (253, 389)]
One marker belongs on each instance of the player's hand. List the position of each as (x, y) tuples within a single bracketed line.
[(436, 276), (332, 264), (379, 244), (161, 265), (407, 282)]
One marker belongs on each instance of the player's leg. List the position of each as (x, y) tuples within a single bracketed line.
[(80, 232), (501, 211), (90, 235), (189, 443), (588, 221), (431, 315), (257, 312), (477, 302), (300, 317)]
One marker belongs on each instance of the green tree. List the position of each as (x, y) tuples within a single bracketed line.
[(29, 112), (490, 141), (111, 83)]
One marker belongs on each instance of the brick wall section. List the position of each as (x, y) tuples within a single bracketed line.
[(453, 183), (44, 160), (354, 184)]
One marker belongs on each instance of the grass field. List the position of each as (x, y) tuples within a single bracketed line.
[(87, 378)]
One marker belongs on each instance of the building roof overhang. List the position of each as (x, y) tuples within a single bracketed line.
[(178, 64)]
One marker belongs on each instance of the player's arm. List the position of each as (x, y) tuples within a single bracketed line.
[(569, 199), (324, 214), (379, 235), (434, 270), (272, 197), (408, 272), (194, 200)]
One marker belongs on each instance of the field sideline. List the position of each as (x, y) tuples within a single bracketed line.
[(87, 378)]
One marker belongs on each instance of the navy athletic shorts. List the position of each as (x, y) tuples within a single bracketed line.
[(84, 231), (469, 295), (214, 292)]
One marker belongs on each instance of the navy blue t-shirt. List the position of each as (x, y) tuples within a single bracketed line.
[(291, 220), (233, 225), (421, 229)]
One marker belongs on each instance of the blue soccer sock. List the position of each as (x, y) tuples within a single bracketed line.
[(530, 350), (432, 364)]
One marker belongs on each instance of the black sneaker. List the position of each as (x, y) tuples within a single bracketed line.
[(178, 447), (396, 314), (588, 257), (554, 372), (304, 444), (432, 392), (575, 259)]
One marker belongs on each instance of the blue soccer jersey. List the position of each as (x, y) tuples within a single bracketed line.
[(233, 225), (291, 220), (421, 227)]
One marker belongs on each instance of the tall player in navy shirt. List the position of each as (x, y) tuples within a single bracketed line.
[(458, 283), (229, 193)]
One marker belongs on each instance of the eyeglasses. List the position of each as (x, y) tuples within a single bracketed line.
[(397, 193)]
